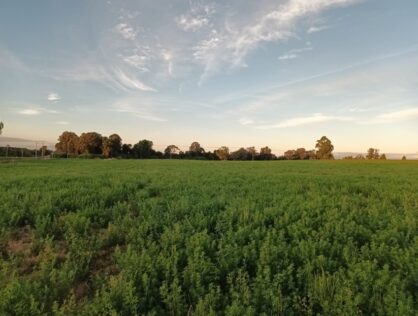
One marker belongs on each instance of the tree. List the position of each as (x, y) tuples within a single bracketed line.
[(289, 154), (68, 143), (1, 127), (196, 148), (265, 154), (240, 154), (171, 150), (112, 146), (222, 153), (143, 149), (252, 152), (403, 158), (372, 153), (310, 154), (324, 148), (91, 143), (126, 150), (300, 153), (382, 157)]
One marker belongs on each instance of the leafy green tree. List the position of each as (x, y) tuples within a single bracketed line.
[(196, 148), (372, 153), (222, 153), (126, 150), (90, 143), (143, 149), (112, 146), (1, 127), (324, 148), (403, 158), (252, 152), (68, 143), (171, 150), (382, 157), (195, 151), (240, 154), (265, 154)]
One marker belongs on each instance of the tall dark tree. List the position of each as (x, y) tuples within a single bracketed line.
[(195, 151), (265, 154), (196, 148), (112, 146), (143, 149), (171, 150), (372, 153), (252, 152), (68, 143), (126, 150), (240, 154), (1, 127), (324, 148), (90, 143)]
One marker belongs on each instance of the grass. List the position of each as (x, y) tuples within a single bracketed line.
[(126, 237)]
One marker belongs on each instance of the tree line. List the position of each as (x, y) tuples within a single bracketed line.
[(92, 144), (372, 154)]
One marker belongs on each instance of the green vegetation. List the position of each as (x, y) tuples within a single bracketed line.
[(173, 237)]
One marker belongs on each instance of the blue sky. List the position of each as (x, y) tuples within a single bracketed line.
[(235, 73)]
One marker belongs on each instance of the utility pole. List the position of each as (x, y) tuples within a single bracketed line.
[(36, 150), (7, 151)]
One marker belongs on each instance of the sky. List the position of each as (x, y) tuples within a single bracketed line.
[(280, 73)]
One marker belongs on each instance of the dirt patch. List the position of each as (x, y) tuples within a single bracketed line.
[(20, 245), (82, 290)]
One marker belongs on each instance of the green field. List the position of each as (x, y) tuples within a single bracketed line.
[(127, 237)]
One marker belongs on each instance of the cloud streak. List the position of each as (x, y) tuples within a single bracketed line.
[(53, 97), (233, 46), (133, 107), (304, 120), (398, 116), (198, 18)]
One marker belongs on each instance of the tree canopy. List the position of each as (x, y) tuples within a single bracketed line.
[(324, 148)]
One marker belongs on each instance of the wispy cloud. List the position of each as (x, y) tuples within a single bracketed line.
[(33, 110), (53, 97), (137, 109), (126, 31), (111, 77), (305, 120), (168, 58), (29, 112), (197, 18), (232, 46), (319, 28), (139, 61), (295, 53), (132, 82), (397, 116), (246, 121)]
